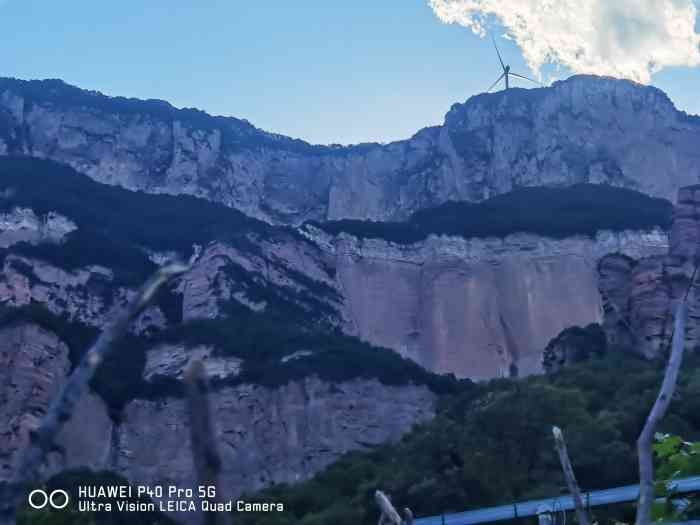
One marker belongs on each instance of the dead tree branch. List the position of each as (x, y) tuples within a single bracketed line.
[(26, 469), (389, 515), (570, 477), (205, 453), (658, 411), (388, 512)]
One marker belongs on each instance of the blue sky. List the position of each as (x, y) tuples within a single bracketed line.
[(323, 71)]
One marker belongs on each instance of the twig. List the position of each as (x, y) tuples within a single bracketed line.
[(26, 470), (570, 477), (644, 442), (205, 453)]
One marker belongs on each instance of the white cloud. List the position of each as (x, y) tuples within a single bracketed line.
[(622, 38)]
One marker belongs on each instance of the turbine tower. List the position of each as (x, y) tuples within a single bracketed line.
[(507, 73)]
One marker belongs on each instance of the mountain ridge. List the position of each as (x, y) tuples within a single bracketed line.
[(164, 105), (583, 129)]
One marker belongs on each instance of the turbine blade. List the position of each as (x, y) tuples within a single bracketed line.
[(497, 81), (498, 52), (526, 78)]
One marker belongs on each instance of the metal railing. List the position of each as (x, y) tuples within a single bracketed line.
[(525, 509)]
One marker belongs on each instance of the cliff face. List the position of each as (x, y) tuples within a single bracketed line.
[(266, 435), (640, 294), (584, 129), (87, 295), (33, 363), (479, 308), (281, 435), (23, 225)]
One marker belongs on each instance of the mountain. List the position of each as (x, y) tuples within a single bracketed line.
[(295, 324), (329, 286), (584, 129)]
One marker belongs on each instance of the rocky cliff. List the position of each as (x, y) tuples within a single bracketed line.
[(584, 129), (478, 308), (264, 300), (639, 294), (266, 435), (33, 365)]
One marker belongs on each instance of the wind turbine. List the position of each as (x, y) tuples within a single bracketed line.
[(506, 71)]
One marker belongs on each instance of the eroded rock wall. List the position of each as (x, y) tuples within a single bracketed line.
[(87, 295), (23, 225), (479, 308), (265, 435), (584, 129), (281, 435), (641, 293), (33, 367)]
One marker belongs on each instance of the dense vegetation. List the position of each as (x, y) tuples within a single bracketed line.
[(677, 458), (574, 344), (263, 340), (260, 339), (491, 444), (116, 226), (582, 209)]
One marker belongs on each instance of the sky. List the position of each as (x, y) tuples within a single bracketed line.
[(344, 72)]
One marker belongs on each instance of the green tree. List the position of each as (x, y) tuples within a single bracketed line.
[(676, 459)]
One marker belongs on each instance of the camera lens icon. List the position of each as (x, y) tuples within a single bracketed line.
[(57, 499)]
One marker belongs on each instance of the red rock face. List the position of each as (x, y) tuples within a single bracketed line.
[(639, 295), (477, 308)]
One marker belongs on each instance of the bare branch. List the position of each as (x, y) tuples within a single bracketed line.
[(26, 469), (644, 442), (205, 453), (388, 512), (571, 482)]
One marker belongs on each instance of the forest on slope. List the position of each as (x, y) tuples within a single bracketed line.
[(491, 444), (581, 209)]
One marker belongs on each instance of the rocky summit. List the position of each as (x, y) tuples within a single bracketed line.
[(584, 129)]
